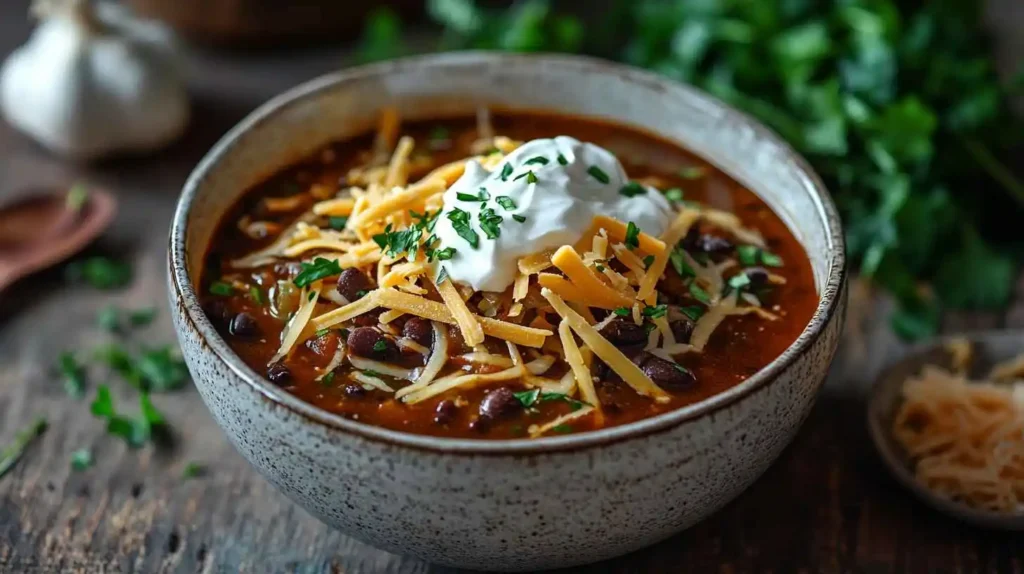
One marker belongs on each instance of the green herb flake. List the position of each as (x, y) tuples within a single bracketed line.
[(749, 255), (460, 223), (442, 275), (73, 374), (76, 198), (770, 259), (679, 263), (674, 195), (519, 218), (598, 174), (193, 470), (562, 160), (322, 332), (257, 295), (655, 311), (599, 267), (319, 269), (470, 197), (490, 222), (693, 172), (562, 428), (506, 171), (505, 202), (444, 254), (100, 272), (396, 243), (141, 317), (221, 289), (81, 459), (739, 281), (109, 319), (10, 455), (538, 160), (327, 379), (699, 294), (648, 261), (529, 175), (380, 346), (632, 189), (693, 312), (623, 311), (337, 222), (632, 236)]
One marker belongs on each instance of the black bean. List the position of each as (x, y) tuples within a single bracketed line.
[(622, 331), (480, 424), (498, 402), (369, 319), (445, 412), (419, 330), (354, 391), (353, 284), (371, 343), (279, 374), (218, 313), (666, 373), (682, 329), (244, 325), (758, 277)]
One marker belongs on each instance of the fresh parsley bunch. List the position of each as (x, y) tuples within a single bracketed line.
[(896, 104)]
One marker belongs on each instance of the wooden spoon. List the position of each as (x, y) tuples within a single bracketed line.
[(44, 228), (990, 347)]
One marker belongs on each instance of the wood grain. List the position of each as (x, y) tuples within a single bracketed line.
[(826, 506)]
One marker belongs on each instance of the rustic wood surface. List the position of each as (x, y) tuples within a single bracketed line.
[(826, 506)]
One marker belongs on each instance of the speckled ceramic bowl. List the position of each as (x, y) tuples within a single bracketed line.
[(513, 504)]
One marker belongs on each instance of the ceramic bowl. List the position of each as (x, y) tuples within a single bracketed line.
[(511, 504)]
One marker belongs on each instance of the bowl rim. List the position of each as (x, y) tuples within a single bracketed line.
[(191, 311)]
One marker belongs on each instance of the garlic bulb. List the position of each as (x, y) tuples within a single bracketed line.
[(90, 83)]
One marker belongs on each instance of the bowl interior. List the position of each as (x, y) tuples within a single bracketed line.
[(345, 104)]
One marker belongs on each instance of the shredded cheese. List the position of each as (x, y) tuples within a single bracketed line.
[(472, 332), (538, 430), (399, 200), (684, 221), (297, 325), (335, 207), (616, 231), (579, 369), (370, 381), (600, 295), (399, 161)]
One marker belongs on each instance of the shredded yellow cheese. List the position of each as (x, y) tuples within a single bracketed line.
[(684, 221), (599, 295), (399, 200), (297, 324), (579, 368), (616, 231), (335, 207), (533, 264), (472, 332), (397, 168)]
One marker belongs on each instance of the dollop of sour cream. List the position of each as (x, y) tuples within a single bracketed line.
[(546, 193)]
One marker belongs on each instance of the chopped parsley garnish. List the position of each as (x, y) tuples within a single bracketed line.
[(81, 459), (632, 189), (425, 221), (679, 263), (506, 171), (439, 134), (539, 160), (598, 174), (699, 294), (530, 177), (632, 236), (460, 223), (73, 373), (675, 194), (361, 293), (337, 222), (739, 281), (11, 453), (481, 195), (442, 276), (136, 432), (692, 172), (380, 346), (562, 428), (327, 379), (162, 369), (141, 317), (322, 332), (648, 261), (562, 160), (371, 373), (193, 470), (222, 289), (533, 397), (76, 198), (109, 319), (396, 243), (694, 312), (623, 311), (311, 296), (599, 267), (505, 202), (489, 222), (519, 218), (319, 269), (257, 295), (655, 311), (753, 255), (444, 254), (100, 272)]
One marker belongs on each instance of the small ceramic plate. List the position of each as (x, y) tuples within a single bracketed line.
[(990, 347)]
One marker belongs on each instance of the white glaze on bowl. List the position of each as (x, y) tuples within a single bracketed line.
[(516, 504)]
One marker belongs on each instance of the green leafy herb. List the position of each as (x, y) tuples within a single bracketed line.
[(312, 295), (699, 294), (109, 319), (162, 369), (562, 160), (81, 459), (679, 263), (380, 346), (193, 470), (442, 275), (598, 174), (632, 236), (444, 254), (100, 272), (136, 432), (692, 172), (505, 202), (739, 281), (319, 269), (506, 170), (396, 243), (481, 196), (256, 295), (655, 311), (328, 378), (337, 222), (599, 267), (694, 312), (460, 223), (534, 397), (623, 311), (221, 289), (648, 261), (73, 373), (539, 160), (141, 317), (753, 255), (490, 222), (322, 332), (76, 198), (562, 428), (519, 218), (10, 455), (675, 194), (632, 189), (530, 177), (381, 37)]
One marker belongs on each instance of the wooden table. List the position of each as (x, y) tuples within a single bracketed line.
[(826, 506)]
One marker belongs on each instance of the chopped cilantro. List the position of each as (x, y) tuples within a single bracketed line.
[(530, 177), (632, 236), (623, 311), (655, 311), (141, 317), (442, 275), (519, 218), (136, 432), (506, 171), (327, 379), (482, 195), (599, 267), (753, 255), (699, 294), (193, 470), (11, 453), (222, 289), (100, 272), (675, 194), (109, 319), (739, 281), (506, 202), (257, 295), (535, 396), (679, 263), (337, 223), (692, 172), (598, 174), (489, 222), (539, 160), (319, 269), (76, 198), (380, 346), (81, 459), (73, 373), (322, 332), (632, 189), (694, 312), (396, 243), (562, 160), (460, 223), (444, 254), (562, 428)]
